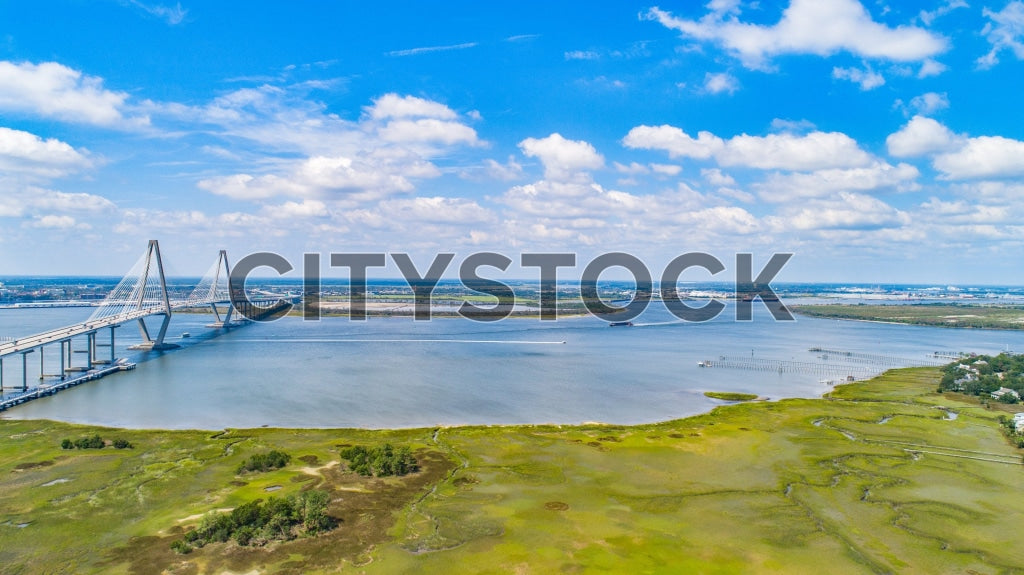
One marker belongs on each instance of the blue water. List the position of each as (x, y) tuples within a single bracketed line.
[(395, 372)]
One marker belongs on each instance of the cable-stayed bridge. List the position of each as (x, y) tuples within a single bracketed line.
[(142, 293)]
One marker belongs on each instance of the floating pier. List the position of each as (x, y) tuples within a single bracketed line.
[(843, 372), (875, 358), (52, 388)]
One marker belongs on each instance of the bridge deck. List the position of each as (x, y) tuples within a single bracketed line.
[(24, 344)]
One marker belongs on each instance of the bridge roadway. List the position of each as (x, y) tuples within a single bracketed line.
[(31, 342), (24, 344)]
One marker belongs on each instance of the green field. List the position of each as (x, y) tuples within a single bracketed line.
[(963, 315), (730, 395), (873, 479)]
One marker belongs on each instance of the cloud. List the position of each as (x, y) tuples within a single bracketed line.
[(813, 151), (921, 136), (929, 103), (716, 177), (194, 223), (394, 106), (291, 210), (429, 49), (674, 141), (32, 157), (335, 176), (722, 82), (428, 130), (929, 16), (666, 169), (867, 78), (54, 222), (820, 27), (931, 68), (556, 200), (562, 158), (824, 183), (582, 55), (959, 212), (52, 90), (795, 126), (510, 170), (173, 15), (845, 211), (1004, 31), (436, 210), (31, 200), (983, 157), (383, 153), (958, 157), (633, 168), (434, 122)]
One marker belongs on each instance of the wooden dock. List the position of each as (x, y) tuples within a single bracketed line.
[(50, 389)]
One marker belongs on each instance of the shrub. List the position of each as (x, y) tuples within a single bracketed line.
[(94, 442), (265, 461), (180, 547), (258, 522), (122, 444), (67, 444), (380, 461)]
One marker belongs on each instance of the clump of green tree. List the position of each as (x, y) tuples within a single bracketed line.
[(381, 460), (259, 522), (983, 374), (94, 442), (265, 461)]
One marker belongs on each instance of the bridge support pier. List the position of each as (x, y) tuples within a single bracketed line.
[(222, 321), (148, 343), (1, 377), (24, 369), (63, 370)]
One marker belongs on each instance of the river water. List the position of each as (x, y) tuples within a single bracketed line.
[(396, 372)]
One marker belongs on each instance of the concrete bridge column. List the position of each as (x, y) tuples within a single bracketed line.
[(63, 373), (90, 348), (24, 369)]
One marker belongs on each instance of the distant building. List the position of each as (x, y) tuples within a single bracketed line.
[(1018, 422), (1005, 391)]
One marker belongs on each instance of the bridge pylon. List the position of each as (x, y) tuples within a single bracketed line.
[(153, 257), (142, 292), (215, 288)]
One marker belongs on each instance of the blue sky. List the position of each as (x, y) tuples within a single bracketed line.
[(879, 142)]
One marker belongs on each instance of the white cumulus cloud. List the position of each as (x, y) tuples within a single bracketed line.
[(562, 158), (785, 151), (28, 155), (983, 157), (921, 136), (53, 90), (820, 27), (394, 106)]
